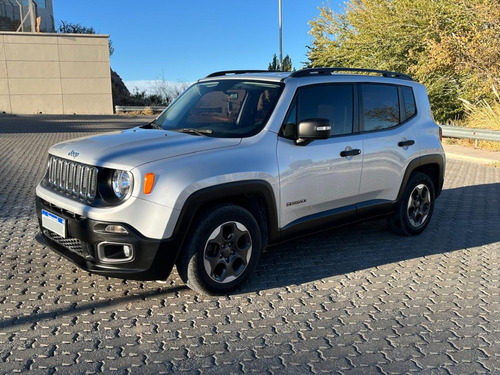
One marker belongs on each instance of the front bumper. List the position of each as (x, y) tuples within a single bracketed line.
[(125, 255)]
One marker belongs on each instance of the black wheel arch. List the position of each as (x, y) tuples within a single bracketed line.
[(256, 196), (432, 165)]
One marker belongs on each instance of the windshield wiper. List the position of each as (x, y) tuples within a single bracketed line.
[(154, 125), (196, 131)]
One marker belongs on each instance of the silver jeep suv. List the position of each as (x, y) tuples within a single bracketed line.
[(240, 161)]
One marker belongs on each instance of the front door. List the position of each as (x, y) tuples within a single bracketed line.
[(323, 177)]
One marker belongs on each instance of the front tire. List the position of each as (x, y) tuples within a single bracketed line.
[(415, 209), (222, 250)]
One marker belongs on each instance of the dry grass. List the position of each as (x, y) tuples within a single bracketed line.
[(132, 113), (483, 115), (148, 111), (483, 145)]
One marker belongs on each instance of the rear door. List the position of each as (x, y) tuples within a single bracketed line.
[(387, 114)]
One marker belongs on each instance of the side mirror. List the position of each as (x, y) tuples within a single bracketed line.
[(312, 129)]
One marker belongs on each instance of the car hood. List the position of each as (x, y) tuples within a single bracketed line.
[(133, 147)]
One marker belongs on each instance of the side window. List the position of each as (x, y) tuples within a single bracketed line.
[(380, 106), (333, 102), (409, 102)]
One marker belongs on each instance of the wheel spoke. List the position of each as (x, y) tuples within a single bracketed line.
[(217, 236), (212, 260), (235, 267), (212, 250), (243, 246)]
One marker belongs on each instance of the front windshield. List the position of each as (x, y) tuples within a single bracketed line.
[(225, 108)]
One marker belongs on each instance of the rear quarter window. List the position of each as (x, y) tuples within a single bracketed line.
[(410, 109)]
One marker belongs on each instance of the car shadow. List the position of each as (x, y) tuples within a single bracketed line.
[(75, 308), (464, 217)]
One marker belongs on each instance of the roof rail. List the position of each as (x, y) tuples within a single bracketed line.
[(233, 72), (324, 71)]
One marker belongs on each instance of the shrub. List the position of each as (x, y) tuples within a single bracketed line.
[(483, 115)]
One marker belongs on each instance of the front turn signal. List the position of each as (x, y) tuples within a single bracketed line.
[(149, 181)]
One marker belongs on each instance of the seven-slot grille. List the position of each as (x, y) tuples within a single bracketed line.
[(78, 180)]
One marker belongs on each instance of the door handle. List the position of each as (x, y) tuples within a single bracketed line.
[(353, 152), (407, 143)]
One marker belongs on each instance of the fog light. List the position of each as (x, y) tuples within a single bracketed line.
[(113, 253), (115, 229), (127, 251)]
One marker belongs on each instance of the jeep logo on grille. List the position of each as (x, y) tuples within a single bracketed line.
[(73, 153)]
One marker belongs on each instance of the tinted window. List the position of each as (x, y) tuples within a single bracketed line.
[(409, 102), (380, 106), (333, 102)]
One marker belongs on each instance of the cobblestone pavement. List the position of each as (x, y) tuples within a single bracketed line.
[(357, 300)]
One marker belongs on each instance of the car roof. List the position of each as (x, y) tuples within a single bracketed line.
[(353, 73), (264, 75)]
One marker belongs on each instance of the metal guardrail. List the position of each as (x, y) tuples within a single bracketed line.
[(130, 108), (451, 131)]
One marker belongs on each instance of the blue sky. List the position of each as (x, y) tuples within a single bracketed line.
[(185, 40)]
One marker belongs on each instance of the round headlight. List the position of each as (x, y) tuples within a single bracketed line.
[(121, 183)]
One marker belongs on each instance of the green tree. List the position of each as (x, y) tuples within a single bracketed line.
[(274, 65), (74, 28), (450, 46)]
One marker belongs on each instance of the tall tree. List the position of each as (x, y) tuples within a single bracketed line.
[(274, 65), (453, 47)]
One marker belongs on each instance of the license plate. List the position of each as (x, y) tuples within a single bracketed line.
[(54, 223)]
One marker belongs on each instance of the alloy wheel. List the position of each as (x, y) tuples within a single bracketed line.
[(227, 252), (419, 205)]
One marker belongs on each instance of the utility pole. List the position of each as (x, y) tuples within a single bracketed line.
[(281, 38)]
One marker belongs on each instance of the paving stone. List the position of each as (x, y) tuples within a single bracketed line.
[(375, 303)]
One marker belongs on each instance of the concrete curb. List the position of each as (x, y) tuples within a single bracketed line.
[(490, 158), (472, 159)]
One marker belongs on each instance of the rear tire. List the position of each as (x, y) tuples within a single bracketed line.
[(415, 209), (222, 250)]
